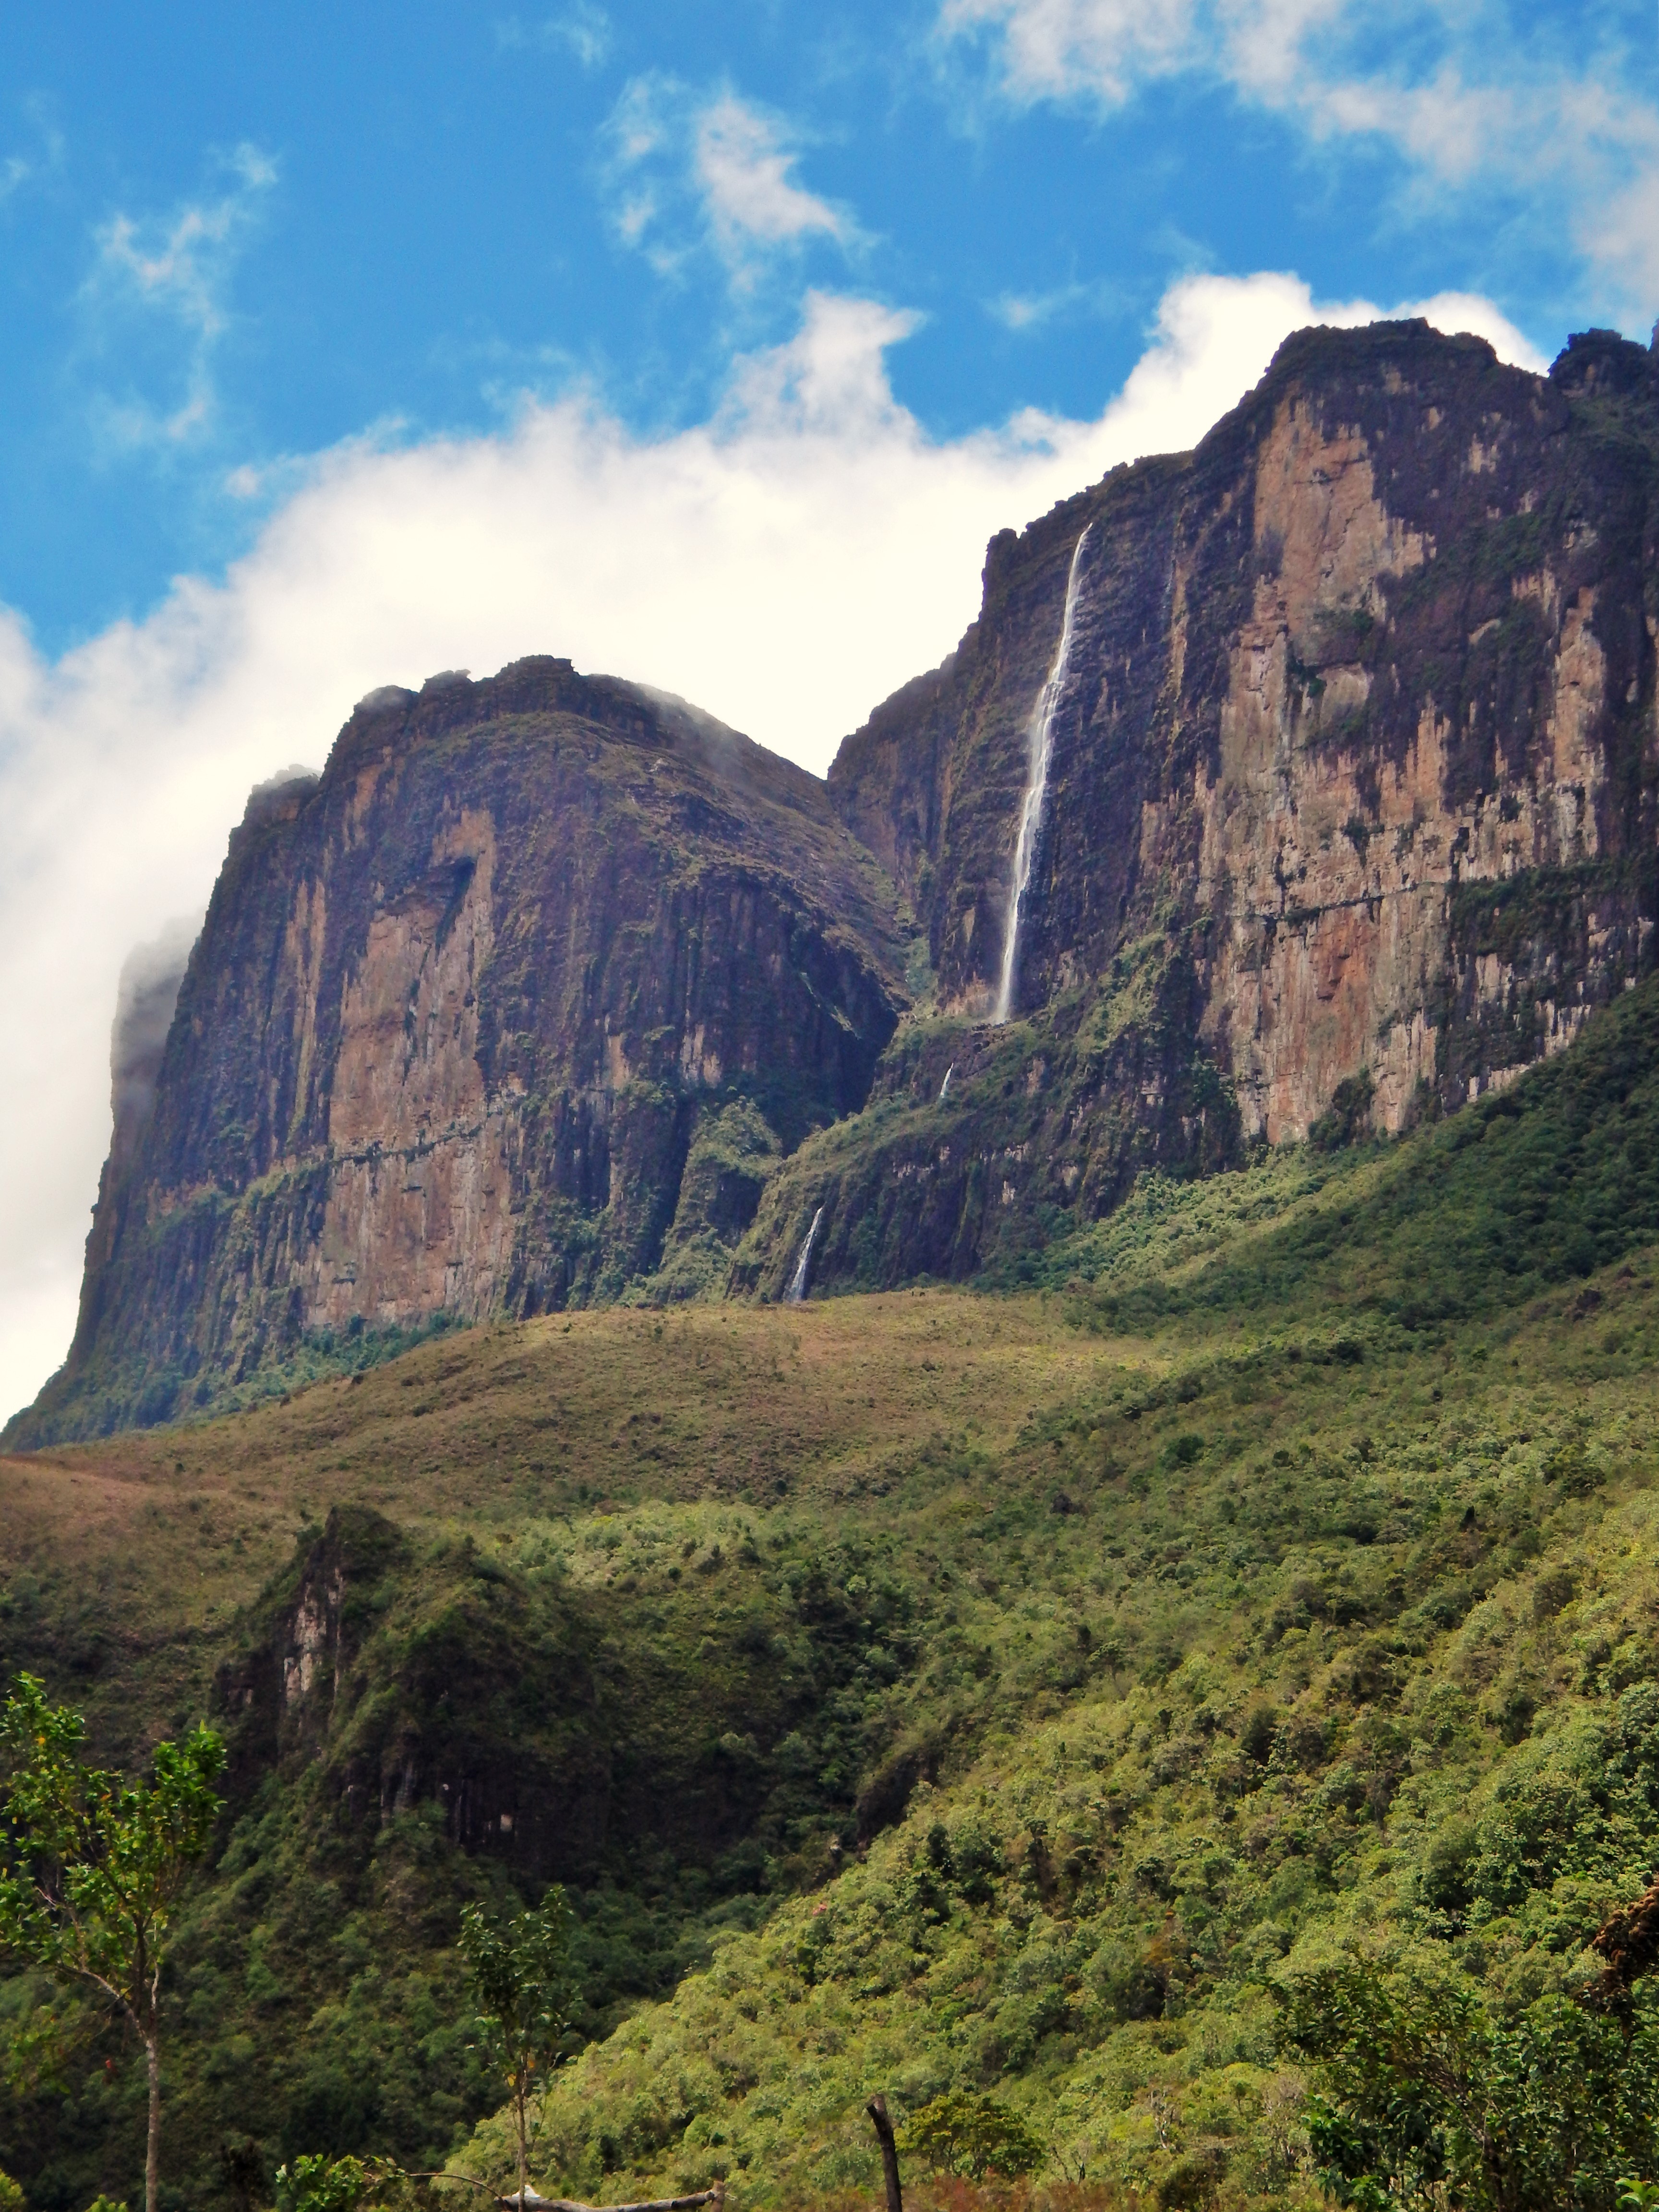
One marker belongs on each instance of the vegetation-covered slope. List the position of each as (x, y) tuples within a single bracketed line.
[(994, 1691)]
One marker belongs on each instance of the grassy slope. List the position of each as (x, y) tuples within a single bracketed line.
[(1284, 1576)]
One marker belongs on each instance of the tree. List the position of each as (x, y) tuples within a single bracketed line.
[(519, 1968), (1428, 2098), (963, 2133), (91, 1866)]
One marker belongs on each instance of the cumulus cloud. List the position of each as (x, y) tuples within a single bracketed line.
[(175, 267), (1476, 95), (712, 170), (784, 565)]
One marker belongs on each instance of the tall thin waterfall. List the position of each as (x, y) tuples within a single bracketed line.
[(796, 1291), (1040, 745)]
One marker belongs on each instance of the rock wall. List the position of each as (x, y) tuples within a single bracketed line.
[(1354, 784), (553, 988), (1371, 665), (458, 1017)]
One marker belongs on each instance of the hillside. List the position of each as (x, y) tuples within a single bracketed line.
[(928, 1688)]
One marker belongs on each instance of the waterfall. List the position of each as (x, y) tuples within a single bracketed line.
[(796, 1292), (1040, 745), (945, 1086)]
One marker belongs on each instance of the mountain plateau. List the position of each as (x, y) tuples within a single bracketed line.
[(553, 991)]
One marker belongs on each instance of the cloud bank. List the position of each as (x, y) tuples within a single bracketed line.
[(784, 565)]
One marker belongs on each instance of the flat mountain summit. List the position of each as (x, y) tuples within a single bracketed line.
[(1301, 785)]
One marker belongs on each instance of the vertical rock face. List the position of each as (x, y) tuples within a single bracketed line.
[(1352, 784), (1361, 698), (458, 1014)]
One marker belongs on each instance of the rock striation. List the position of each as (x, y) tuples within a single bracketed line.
[(552, 989)]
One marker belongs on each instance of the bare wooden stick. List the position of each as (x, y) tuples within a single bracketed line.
[(877, 2109), (532, 2202)]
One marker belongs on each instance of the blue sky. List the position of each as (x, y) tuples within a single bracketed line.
[(234, 238), (708, 346)]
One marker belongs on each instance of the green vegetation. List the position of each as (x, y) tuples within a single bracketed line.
[(964, 2133), (94, 1868), (1097, 1705), (519, 1964), (1543, 2108)]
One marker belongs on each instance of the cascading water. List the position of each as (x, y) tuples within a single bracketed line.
[(944, 1087), (1040, 745), (796, 1291)]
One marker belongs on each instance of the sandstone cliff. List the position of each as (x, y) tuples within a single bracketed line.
[(552, 990), (534, 985), (1351, 805)]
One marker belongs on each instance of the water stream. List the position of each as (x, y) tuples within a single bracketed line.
[(1040, 745), (944, 1087), (796, 1291)]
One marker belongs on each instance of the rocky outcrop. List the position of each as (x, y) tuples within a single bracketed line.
[(1352, 784), (459, 1014)]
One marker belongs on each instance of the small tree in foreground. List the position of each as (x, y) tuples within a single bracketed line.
[(520, 1967), (965, 2134), (91, 1866)]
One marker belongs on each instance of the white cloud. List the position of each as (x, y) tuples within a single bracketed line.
[(786, 565), (583, 30), (1037, 311), (711, 169), (1477, 95), (17, 170), (742, 166), (178, 267)]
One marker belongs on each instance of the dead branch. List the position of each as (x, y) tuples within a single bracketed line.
[(877, 2108), (532, 2202)]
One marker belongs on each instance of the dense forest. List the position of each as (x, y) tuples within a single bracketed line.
[(1194, 1708)]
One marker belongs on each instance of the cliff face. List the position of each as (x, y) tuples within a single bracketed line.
[(552, 989), (1381, 646), (1350, 804), (460, 1016)]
